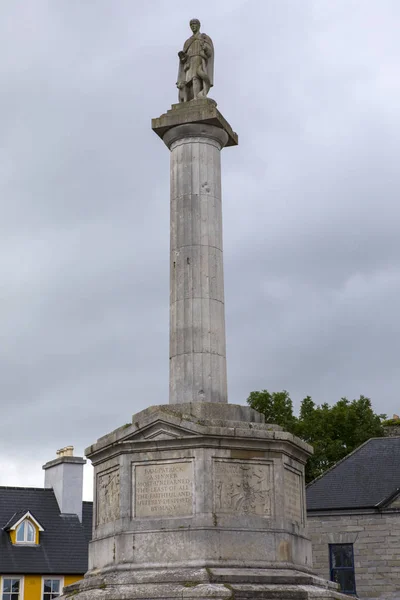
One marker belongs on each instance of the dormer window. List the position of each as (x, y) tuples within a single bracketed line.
[(24, 529), (25, 533)]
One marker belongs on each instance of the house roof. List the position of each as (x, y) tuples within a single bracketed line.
[(366, 478), (63, 547), (20, 516)]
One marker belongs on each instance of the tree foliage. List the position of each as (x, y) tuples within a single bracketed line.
[(333, 431)]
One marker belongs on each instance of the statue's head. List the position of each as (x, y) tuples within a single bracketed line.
[(195, 25)]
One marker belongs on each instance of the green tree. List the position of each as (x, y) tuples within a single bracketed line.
[(276, 407), (333, 431)]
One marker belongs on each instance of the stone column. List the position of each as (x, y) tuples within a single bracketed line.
[(197, 312)]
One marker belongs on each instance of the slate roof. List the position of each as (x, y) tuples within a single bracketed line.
[(366, 478), (63, 547), (16, 517)]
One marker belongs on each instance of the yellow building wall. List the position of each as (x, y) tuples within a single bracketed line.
[(68, 579), (32, 587)]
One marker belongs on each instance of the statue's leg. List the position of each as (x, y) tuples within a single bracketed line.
[(189, 91), (205, 89), (196, 87), (206, 86)]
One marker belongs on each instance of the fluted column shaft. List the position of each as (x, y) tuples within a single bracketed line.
[(197, 312)]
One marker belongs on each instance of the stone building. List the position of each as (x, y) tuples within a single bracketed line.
[(354, 521)]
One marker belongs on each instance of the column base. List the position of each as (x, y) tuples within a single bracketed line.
[(204, 583)]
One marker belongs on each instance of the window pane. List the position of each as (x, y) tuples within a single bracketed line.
[(15, 585), (14, 596), (6, 585), (21, 532), (348, 581), (345, 578), (47, 586), (335, 576), (341, 555), (30, 537), (336, 558), (347, 555), (56, 586)]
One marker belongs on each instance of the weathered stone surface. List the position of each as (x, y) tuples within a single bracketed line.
[(163, 489), (195, 132), (196, 65), (217, 583), (203, 111), (294, 498), (375, 536), (197, 313), (230, 537), (242, 487), (107, 495)]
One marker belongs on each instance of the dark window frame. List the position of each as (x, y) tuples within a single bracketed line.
[(342, 569)]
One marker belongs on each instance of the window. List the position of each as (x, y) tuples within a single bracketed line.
[(341, 561), (51, 588), (25, 533), (11, 588)]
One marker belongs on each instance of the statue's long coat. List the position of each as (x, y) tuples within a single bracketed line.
[(196, 66)]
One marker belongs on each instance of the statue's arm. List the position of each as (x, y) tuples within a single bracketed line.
[(207, 50)]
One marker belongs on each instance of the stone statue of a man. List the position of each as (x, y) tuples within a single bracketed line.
[(196, 65)]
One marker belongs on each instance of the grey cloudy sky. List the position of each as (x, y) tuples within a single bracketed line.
[(311, 208)]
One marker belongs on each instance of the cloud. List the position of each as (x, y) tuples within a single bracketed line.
[(310, 200)]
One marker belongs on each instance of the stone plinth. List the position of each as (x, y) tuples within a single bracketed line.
[(199, 501), (195, 132), (202, 111)]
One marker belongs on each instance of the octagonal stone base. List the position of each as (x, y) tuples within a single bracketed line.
[(199, 500)]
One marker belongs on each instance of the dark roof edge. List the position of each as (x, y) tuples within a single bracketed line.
[(15, 487), (388, 499), (338, 509), (345, 458)]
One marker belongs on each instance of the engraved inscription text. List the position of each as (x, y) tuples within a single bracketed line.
[(293, 504), (163, 489)]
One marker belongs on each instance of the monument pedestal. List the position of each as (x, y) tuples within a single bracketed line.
[(200, 500)]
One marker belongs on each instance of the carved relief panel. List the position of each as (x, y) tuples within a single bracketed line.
[(243, 487), (107, 507)]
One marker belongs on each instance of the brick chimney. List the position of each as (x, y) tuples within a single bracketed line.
[(65, 475)]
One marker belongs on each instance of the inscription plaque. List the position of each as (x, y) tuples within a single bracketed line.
[(108, 496), (243, 487), (163, 489), (293, 496)]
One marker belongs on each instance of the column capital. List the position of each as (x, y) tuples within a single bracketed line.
[(196, 130), (203, 111)]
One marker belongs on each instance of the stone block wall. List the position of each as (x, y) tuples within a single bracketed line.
[(376, 543)]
